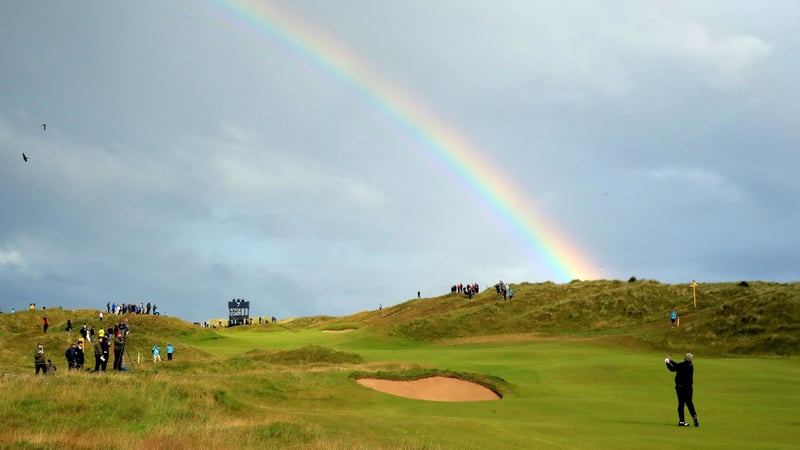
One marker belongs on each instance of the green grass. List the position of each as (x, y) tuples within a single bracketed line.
[(578, 365)]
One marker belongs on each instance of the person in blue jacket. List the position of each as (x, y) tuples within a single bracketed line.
[(673, 317), (156, 353), (169, 352)]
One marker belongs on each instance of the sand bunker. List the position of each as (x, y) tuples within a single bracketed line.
[(339, 331), (440, 389)]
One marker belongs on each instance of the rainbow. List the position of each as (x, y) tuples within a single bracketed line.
[(442, 143)]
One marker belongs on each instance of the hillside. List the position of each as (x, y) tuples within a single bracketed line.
[(730, 319), (19, 333), (566, 360), (754, 318)]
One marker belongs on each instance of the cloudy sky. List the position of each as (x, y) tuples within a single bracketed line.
[(286, 152)]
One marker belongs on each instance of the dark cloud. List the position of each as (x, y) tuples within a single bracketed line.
[(189, 159)]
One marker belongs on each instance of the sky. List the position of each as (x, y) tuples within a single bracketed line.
[(325, 158)]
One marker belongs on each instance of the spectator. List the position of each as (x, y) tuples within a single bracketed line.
[(79, 356), (72, 356), (104, 345), (119, 344), (100, 354), (39, 359), (156, 353), (169, 352)]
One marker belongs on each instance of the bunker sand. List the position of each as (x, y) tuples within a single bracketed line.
[(439, 389)]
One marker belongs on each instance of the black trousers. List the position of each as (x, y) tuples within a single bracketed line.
[(100, 365), (684, 399), (42, 367), (117, 359)]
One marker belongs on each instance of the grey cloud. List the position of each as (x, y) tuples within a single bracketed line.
[(190, 159)]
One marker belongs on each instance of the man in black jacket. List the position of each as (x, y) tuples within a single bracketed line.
[(684, 378), (72, 356), (104, 346), (79, 356), (100, 354)]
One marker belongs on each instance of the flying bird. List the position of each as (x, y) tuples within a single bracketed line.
[(25, 157), (44, 127)]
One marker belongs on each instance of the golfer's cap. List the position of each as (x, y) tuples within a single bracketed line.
[(688, 356)]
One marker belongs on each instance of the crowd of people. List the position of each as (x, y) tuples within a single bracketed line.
[(102, 347), (221, 323), (467, 289), (133, 308), (108, 340), (504, 289)]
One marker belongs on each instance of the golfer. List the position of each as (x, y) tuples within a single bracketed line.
[(684, 378)]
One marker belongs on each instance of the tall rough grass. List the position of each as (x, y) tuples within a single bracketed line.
[(729, 318)]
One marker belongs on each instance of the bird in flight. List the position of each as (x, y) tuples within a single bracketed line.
[(44, 127), (25, 157)]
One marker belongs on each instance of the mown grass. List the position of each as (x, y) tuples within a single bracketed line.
[(578, 366)]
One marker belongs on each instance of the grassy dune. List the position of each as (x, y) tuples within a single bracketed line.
[(579, 365)]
